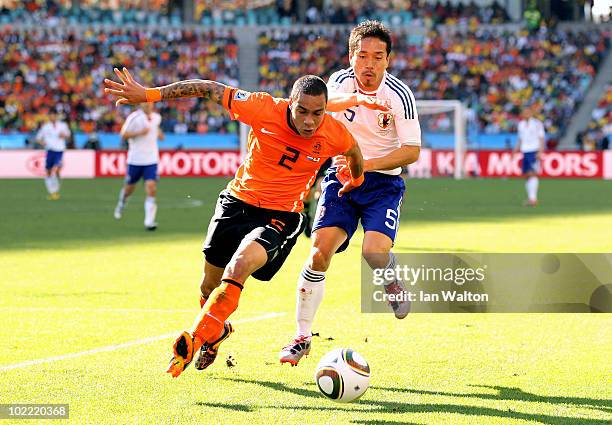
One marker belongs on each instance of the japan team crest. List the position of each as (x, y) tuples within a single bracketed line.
[(384, 120)]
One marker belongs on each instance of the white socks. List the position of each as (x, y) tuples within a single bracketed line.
[(150, 208), (390, 265), (532, 188), (49, 185), (52, 184), (122, 198), (311, 286)]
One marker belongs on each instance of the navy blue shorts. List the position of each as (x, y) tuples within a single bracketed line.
[(137, 172), (377, 203), (530, 162), (54, 159)]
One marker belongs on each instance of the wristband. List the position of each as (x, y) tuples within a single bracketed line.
[(358, 181), (153, 95)]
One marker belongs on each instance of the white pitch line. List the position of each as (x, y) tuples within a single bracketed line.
[(97, 309), (120, 346)]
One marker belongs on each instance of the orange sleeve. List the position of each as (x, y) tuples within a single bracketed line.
[(244, 106)]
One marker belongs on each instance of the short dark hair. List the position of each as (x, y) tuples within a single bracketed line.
[(309, 84), (369, 29)]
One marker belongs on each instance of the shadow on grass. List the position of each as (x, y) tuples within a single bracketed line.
[(230, 406), (387, 406), (515, 394)]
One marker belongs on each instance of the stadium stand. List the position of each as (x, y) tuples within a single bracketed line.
[(64, 69), (401, 12), (598, 134), (245, 12), (56, 56), (251, 12), (494, 71), (55, 12)]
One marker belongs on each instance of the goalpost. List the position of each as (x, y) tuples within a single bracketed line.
[(425, 108), (459, 125)]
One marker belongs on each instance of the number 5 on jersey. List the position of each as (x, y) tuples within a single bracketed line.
[(393, 217)]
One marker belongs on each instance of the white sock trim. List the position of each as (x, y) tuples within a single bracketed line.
[(309, 297), (49, 185), (150, 208), (532, 188), (391, 265)]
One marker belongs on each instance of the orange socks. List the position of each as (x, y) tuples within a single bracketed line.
[(222, 302)]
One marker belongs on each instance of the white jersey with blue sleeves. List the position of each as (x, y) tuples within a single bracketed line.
[(379, 133)]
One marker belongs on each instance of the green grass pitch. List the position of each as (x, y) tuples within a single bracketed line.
[(75, 281)]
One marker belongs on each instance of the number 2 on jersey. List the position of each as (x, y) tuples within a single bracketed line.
[(291, 158)]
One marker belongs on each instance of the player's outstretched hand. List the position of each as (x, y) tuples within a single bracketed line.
[(128, 93), (372, 102)]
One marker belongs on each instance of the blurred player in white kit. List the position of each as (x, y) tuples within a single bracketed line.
[(142, 131), (52, 136)]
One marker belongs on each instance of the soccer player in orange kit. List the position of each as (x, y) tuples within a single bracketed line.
[(257, 217)]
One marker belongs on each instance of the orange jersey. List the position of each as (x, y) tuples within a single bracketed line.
[(280, 165)]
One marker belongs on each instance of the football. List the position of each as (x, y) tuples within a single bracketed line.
[(343, 375)]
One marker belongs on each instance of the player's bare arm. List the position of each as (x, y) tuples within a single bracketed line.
[(131, 134), (340, 101), (400, 157), (194, 88), (517, 147), (160, 135), (351, 174), (355, 161), (130, 92), (541, 150)]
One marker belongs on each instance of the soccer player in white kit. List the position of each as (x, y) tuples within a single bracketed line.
[(380, 112), (141, 130), (531, 135), (52, 136)]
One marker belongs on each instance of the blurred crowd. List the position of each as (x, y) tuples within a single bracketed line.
[(598, 134), (393, 12), (117, 12), (494, 73), (54, 69), (251, 12), (398, 12)]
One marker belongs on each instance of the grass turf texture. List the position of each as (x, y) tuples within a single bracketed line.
[(73, 279)]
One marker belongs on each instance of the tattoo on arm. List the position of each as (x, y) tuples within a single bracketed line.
[(206, 89), (355, 160)]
